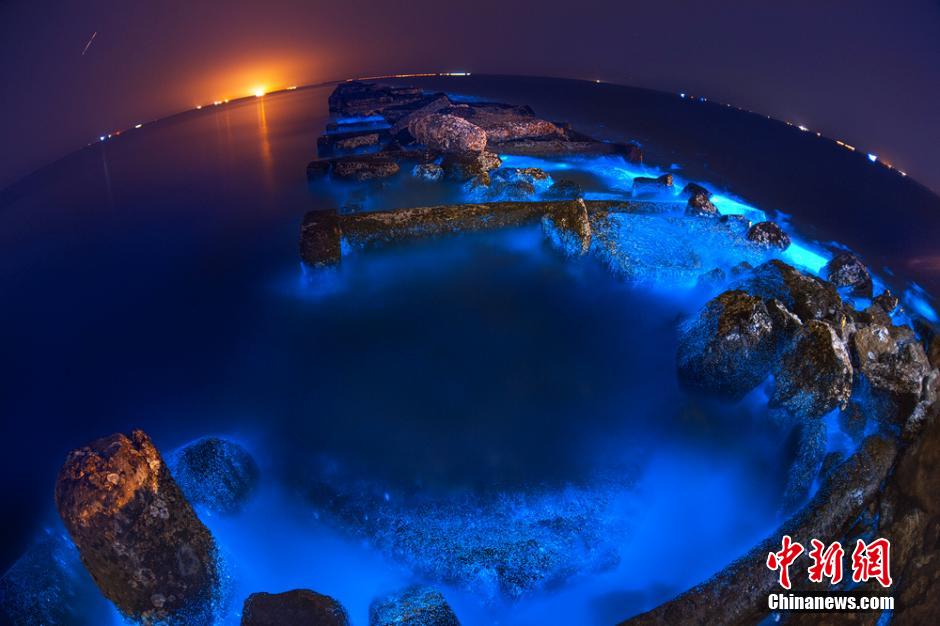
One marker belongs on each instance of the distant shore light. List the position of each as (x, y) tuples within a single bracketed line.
[(872, 157)]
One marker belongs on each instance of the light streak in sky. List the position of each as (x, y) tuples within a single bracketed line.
[(88, 45)]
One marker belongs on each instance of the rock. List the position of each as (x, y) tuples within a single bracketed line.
[(49, 585), (811, 449), (737, 224), (645, 184), (216, 473), (768, 234), (359, 141), (846, 270), (715, 276), (894, 365), (320, 236), (803, 294), (428, 171), (415, 606), (561, 147), (565, 190), (435, 105), (569, 229), (317, 169), (700, 206), (463, 167), (815, 374), (729, 347), (887, 301), (693, 189), (300, 607), (358, 98), (448, 133), (513, 183), (933, 351), (362, 168), (136, 533), (506, 122)]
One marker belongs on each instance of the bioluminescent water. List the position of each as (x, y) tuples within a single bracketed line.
[(481, 412)]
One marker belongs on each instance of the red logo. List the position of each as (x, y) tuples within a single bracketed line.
[(782, 560), (869, 560), (872, 561), (826, 563)]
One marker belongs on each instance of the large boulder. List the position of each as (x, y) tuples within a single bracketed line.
[(136, 533), (415, 606), (216, 473), (299, 607), (894, 364), (815, 373), (729, 347), (847, 270), (803, 294), (448, 133), (768, 235), (506, 122)]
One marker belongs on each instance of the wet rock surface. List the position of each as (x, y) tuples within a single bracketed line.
[(569, 229), (769, 234), (730, 346), (415, 606), (216, 473), (320, 238), (805, 295), (815, 373), (136, 533), (847, 270), (298, 607), (364, 168), (894, 366)]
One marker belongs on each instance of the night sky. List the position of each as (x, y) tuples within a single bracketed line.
[(863, 71)]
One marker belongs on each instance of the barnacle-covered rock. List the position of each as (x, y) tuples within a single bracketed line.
[(448, 133), (847, 270), (135, 531), (769, 235), (362, 168), (815, 373)]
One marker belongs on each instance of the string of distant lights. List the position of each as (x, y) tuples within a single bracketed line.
[(261, 91), (802, 128)]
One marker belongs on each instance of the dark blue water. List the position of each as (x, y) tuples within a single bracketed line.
[(153, 281)]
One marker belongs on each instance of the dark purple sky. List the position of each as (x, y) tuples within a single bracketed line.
[(864, 71)]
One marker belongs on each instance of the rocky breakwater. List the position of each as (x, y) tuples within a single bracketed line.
[(824, 355), (379, 127), (135, 531)]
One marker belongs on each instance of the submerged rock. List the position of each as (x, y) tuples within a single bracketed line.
[(428, 171), (569, 229), (464, 167), (564, 190), (216, 473), (642, 184), (815, 374), (448, 133), (769, 235), (299, 607), (846, 270), (362, 168), (320, 236), (415, 606), (49, 585), (700, 206), (729, 347), (803, 294), (135, 531)]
